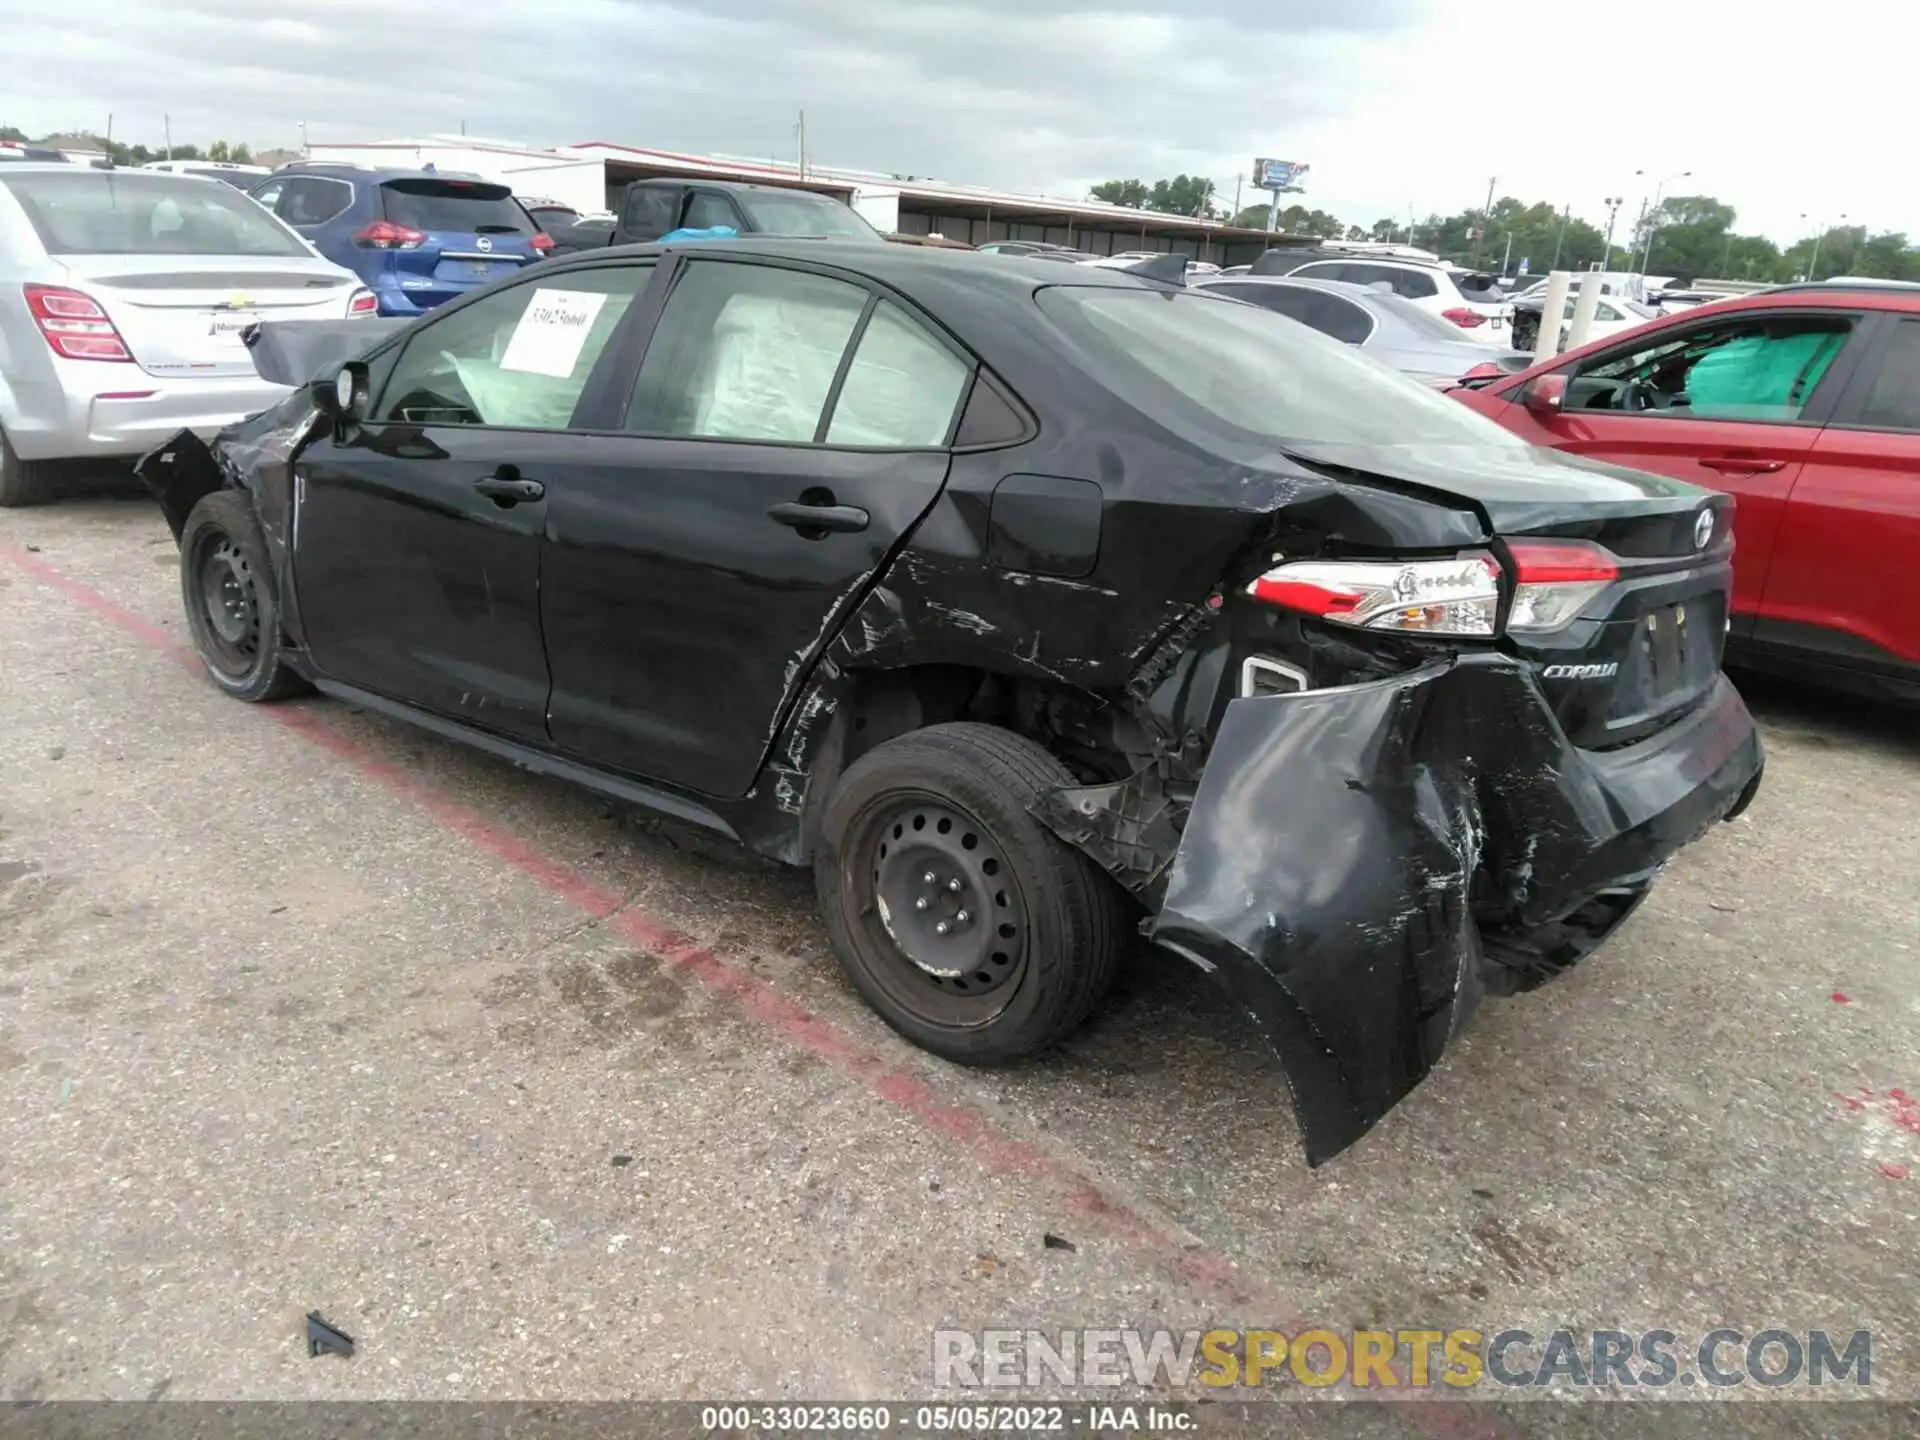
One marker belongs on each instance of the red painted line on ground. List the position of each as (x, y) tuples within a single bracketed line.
[(1209, 1273)]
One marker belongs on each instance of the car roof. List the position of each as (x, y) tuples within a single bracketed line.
[(341, 170), (735, 186)]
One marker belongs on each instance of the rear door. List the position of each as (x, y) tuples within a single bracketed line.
[(786, 431), (1734, 403), (1845, 579), (417, 536), (446, 237)]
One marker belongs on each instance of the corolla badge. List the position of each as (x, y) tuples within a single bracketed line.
[(1703, 530), (483, 243)]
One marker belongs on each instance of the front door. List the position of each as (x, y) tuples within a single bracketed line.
[(788, 428), (417, 536), (1734, 404)]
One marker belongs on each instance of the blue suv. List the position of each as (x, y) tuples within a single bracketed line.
[(415, 237)]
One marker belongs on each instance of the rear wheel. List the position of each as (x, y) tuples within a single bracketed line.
[(23, 482), (970, 927), (226, 582)]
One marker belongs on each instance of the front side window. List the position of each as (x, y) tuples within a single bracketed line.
[(1762, 369), (1240, 374), (1894, 401), (518, 358), (109, 212)]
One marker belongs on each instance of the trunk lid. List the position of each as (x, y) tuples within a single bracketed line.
[(184, 315), (1646, 648), (471, 232)]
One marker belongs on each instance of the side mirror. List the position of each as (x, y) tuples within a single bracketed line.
[(342, 398), (1547, 395)]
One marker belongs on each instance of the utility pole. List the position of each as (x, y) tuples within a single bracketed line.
[(1507, 258), (166, 127), (1486, 215), (1561, 238), (1818, 236), (801, 130), (1613, 204), (1653, 218)]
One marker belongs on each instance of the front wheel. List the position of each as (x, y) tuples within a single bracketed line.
[(973, 930), (226, 582)]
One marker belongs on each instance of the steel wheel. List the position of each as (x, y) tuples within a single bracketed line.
[(945, 907), (229, 599)]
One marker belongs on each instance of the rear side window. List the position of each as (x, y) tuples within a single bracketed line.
[(752, 352), (652, 210), (1413, 284), (1329, 314), (310, 200), (469, 207), (105, 212), (1894, 401)]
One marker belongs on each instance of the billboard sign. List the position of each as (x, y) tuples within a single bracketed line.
[(1278, 174)]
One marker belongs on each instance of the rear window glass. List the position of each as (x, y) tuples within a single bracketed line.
[(105, 212), (793, 213), (467, 206), (1251, 378)]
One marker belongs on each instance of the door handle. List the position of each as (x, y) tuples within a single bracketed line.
[(1742, 464), (504, 489), (844, 519)]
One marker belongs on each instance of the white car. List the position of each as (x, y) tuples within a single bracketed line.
[(124, 295), (1483, 316)]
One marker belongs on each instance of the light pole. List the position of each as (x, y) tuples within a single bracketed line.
[(1486, 218), (1653, 216), (1613, 204)]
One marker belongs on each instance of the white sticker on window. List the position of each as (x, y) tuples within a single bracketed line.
[(552, 332)]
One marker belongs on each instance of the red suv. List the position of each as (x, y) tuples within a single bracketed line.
[(1803, 403)]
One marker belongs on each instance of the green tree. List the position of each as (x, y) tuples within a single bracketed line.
[(8, 132), (1131, 193), (242, 155), (218, 151), (1182, 195)]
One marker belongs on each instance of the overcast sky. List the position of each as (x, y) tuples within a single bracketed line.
[(1393, 102)]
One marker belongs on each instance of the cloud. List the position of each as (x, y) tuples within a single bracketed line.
[(1393, 102)]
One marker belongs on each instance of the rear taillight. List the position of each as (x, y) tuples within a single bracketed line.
[(540, 241), (1428, 597), (385, 235), (74, 324), (1463, 317), (364, 302), (1554, 581)]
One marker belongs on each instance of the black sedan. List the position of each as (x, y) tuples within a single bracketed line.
[(1034, 610)]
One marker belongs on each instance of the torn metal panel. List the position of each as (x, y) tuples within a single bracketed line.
[(297, 352), (1333, 870)]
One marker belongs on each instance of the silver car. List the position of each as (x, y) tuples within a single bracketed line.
[(1391, 329), (123, 295)]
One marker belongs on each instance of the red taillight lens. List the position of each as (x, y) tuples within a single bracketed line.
[(1555, 580), (364, 302), (1432, 597), (74, 325), (385, 235), (540, 241), (1466, 319)]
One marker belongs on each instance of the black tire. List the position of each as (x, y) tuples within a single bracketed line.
[(23, 482), (226, 582), (1066, 918)]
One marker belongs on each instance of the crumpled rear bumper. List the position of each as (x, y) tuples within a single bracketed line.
[(1360, 863)]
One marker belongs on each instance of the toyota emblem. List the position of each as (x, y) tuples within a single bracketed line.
[(1703, 530), (483, 243)]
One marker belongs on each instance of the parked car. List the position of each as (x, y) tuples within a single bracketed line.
[(416, 238), (1485, 316), (17, 150), (228, 172), (1804, 404), (547, 213), (1611, 316), (123, 297), (650, 209), (1035, 249), (1384, 326), (921, 572)]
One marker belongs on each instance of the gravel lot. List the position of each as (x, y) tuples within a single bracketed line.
[(301, 1010)]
